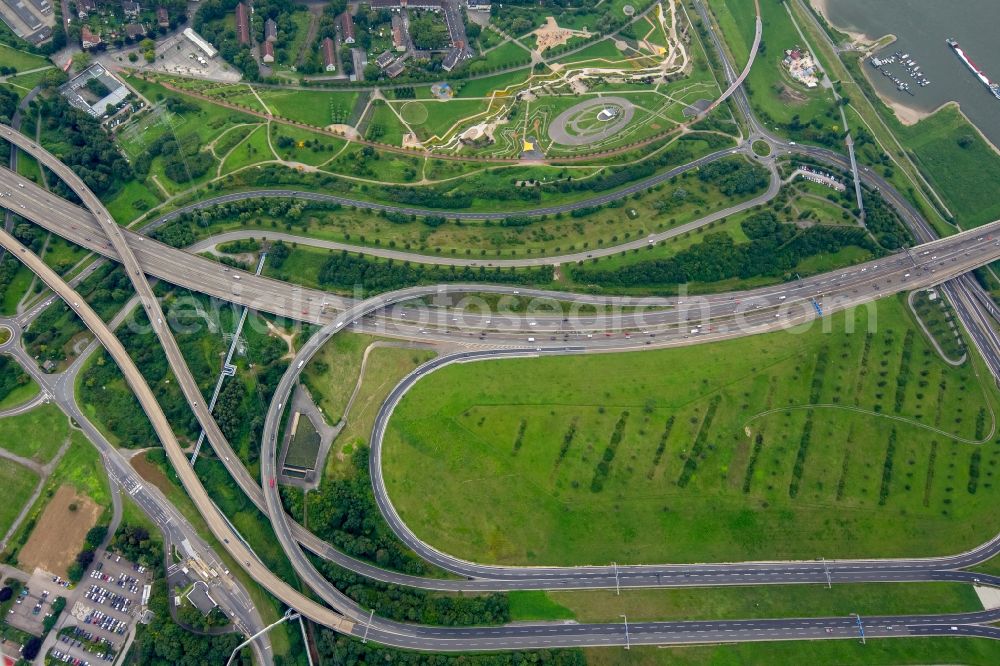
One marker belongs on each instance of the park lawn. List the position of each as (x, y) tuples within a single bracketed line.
[(488, 438), (442, 116), (383, 167), (254, 149), (507, 55), (890, 652), (493, 84), (764, 601), (384, 126), (21, 60), (207, 122), (771, 88), (18, 482), (312, 107), (310, 148), (600, 52), (959, 163), (36, 434), (232, 137)]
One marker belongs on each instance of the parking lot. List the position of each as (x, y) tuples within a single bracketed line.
[(108, 602), (179, 55), (35, 602)]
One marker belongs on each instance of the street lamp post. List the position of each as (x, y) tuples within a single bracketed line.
[(618, 589), (289, 615), (628, 643)]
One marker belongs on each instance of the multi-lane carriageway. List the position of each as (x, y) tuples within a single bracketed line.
[(922, 266), (948, 263)]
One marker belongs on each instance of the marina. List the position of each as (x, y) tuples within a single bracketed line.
[(919, 31), (909, 67)]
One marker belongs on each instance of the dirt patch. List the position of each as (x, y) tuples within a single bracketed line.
[(60, 532), (284, 335), (151, 473), (791, 96), (551, 34)]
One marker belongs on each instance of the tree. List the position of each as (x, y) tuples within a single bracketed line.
[(31, 648)]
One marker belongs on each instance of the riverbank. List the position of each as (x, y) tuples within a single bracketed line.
[(822, 6), (868, 45)]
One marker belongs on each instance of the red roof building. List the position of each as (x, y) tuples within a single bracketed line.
[(88, 39), (329, 60), (347, 27), (268, 51), (242, 24)]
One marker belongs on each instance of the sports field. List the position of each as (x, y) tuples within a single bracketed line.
[(838, 444)]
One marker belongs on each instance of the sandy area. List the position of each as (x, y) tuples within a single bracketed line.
[(905, 114), (822, 6), (59, 534), (551, 34)]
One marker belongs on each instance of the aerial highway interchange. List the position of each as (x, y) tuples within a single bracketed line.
[(663, 322)]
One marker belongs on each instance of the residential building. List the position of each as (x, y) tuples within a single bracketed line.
[(398, 34), (270, 30), (162, 17), (242, 24), (135, 31), (329, 58), (383, 60), (347, 27), (88, 39), (268, 52), (131, 9), (85, 7)]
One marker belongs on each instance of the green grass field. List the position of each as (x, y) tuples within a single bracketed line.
[(959, 163), (310, 107), (21, 60), (941, 322), (12, 294), (967, 651), (486, 86), (703, 454), (765, 601), (18, 482), (304, 446), (36, 434), (81, 468)]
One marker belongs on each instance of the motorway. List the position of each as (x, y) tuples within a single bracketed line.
[(951, 257), (199, 274), (392, 633)]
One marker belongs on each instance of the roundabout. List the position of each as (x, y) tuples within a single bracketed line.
[(591, 121)]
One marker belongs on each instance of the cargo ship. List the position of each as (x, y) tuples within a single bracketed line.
[(992, 87)]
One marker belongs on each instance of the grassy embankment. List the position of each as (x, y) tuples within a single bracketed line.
[(613, 457)]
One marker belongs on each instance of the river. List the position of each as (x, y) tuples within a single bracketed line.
[(921, 27)]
